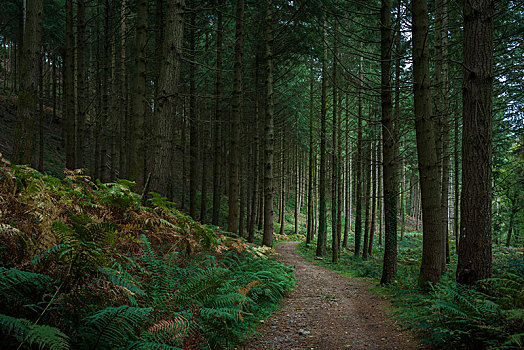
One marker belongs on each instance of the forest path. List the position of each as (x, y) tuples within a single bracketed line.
[(328, 311)]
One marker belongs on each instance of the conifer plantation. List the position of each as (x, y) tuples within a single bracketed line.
[(274, 174)]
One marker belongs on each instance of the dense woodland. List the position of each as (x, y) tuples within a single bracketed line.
[(387, 135)]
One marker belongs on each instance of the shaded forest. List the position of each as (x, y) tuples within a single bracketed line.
[(153, 147)]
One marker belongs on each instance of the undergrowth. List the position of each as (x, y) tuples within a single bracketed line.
[(449, 316), (86, 266)]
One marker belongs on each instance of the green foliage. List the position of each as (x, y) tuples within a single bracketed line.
[(156, 280), (460, 316), (118, 194), (24, 331), (113, 326)]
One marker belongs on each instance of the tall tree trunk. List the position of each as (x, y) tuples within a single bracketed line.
[(167, 93), (374, 181), (322, 220), (255, 198), (389, 161), (69, 88), (122, 105), (474, 254), (137, 143), (432, 253), (358, 170), (104, 139), (81, 85), (309, 232), (267, 238), (282, 210), (242, 210), (297, 189), (367, 193), (456, 184), (205, 132), (40, 163), (349, 180), (334, 167), (193, 117), (445, 129), (236, 114), (26, 113), (218, 119)]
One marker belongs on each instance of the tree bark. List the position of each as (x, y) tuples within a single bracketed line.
[(218, 118), (69, 88), (166, 98), (193, 117), (322, 220), (334, 159), (367, 194), (358, 170), (474, 254), (432, 253), (137, 143), (26, 114), (81, 85), (389, 161), (309, 232), (236, 114), (267, 238)]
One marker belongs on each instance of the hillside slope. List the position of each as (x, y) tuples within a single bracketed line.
[(85, 265)]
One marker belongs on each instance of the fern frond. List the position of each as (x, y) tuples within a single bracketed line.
[(11, 280), (150, 345), (27, 332), (115, 326)]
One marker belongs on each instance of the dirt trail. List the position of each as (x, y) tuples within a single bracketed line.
[(328, 311)]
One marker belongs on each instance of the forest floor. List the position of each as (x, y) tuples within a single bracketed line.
[(328, 311)]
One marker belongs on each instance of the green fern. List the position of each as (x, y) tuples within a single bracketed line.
[(147, 345), (114, 326), (25, 331)]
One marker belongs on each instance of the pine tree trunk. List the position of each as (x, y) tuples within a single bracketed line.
[(322, 220), (236, 113), (267, 238), (193, 119), (166, 97), (389, 268), (41, 142), (122, 105), (432, 253), (256, 156), (445, 129), (456, 188), (218, 120), (474, 254), (347, 176), (310, 212), (334, 167), (137, 143), (69, 88), (81, 85), (373, 196), (26, 114), (358, 169), (297, 190), (282, 212), (367, 194)]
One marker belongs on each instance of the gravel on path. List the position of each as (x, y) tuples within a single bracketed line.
[(328, 311)]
